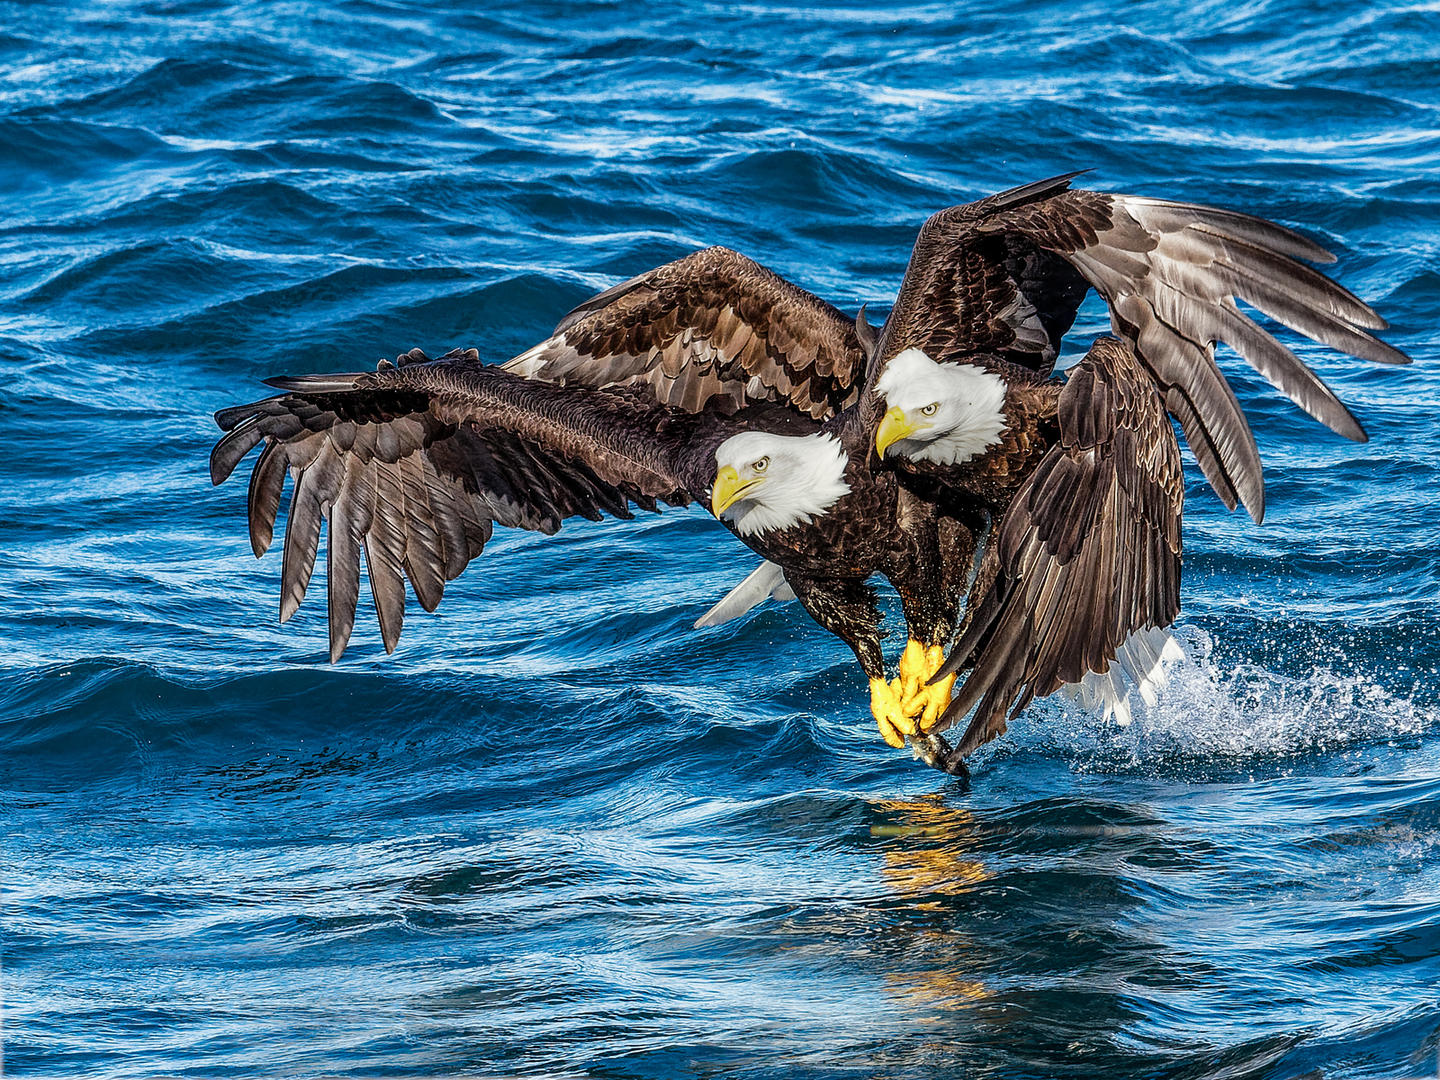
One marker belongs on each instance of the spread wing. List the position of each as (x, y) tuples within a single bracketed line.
[(1171, 274), (414, 464), (711, 326), (968, 291), (1087, 555)]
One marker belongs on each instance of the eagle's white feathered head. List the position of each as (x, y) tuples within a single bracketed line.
[(945, 413), (765, 482)]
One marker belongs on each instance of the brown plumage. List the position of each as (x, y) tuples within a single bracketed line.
[(1075, 565), (1087, 554), (625, 402), (996, 282), (1171, 274), (414, 464), (713, 326)]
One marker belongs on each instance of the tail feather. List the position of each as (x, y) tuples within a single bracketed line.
[(767, 582), (1140, 663)]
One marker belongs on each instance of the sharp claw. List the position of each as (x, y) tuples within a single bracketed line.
[(912, 668), (889, 734), (937, 702), (894, 724), (914, 701), (908, 705), (921, 700)]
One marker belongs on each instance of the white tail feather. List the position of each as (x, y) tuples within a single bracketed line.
[(1141, 659), (766, 582)]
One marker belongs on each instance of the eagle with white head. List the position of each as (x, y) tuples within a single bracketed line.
[(838, 454)]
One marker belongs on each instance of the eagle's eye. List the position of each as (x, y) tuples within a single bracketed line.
[(931, 409), (761, 465)]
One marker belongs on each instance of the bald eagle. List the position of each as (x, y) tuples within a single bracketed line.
[(836, 453)]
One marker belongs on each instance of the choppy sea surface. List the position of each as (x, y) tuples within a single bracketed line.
[(559, 833)]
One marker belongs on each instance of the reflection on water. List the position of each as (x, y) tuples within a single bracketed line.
[(557, 833), (935, 855), (930, 858)]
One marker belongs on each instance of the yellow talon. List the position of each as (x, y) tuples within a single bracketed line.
[(913, 671), (889, 717), (908, 705), (925, 702)]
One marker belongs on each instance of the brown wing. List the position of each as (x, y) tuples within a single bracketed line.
[(1171, 274), (1087, 554), (414, 465), (968, 292), (713, 325)]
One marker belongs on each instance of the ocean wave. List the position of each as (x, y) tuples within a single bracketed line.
[(559, 831)]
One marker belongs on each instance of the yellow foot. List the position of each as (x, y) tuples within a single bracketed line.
[(918, 699), (913, 670), (889, 717)]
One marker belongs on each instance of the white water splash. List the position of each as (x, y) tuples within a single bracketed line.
[(1243, 712)]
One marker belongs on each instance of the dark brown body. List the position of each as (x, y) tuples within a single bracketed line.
[(915, 523), (910, 529)]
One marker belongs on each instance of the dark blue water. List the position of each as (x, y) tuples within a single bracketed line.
[(559, 833)]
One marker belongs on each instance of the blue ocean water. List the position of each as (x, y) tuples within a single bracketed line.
[(559, 833)]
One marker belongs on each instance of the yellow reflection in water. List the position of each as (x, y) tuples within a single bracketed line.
[(929, 859)]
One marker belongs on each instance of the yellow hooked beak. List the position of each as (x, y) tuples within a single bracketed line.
[(893, 428), (729, 489)]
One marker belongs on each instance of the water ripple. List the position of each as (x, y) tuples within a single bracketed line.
[(559, 833)]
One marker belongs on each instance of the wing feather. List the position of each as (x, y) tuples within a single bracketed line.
[(414, 463), (313, 486), (424, 550), (714, 326), (1172, 274), (385, 552), (1087, 556), (349, 520), (267, 485)]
